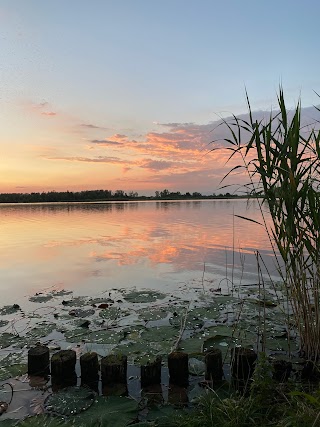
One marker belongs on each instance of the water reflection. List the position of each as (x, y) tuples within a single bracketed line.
[(100, 245)]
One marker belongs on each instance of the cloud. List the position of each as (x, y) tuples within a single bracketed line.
[(48, 113), (91, 126), (98, 159), (105, 142), (155, 164)]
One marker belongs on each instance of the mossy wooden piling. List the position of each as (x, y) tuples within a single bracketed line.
[(242, 366), (281, 370), (114, 369), (89, 369), (178, 364), (63, 368), (151, 372), (39, 361), (214, 366)]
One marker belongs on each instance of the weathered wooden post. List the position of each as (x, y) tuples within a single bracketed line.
[(63, 368), (311, 371), (89, 370), (281, 370), (178, 368), (114, 374), (242, 366), (39, 361), (151, 372), (214, 367)]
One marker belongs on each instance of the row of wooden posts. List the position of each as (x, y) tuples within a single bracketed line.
[(113, 367)]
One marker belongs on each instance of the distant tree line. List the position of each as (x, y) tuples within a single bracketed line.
[(101, 195), (67, 196), (166, 194)]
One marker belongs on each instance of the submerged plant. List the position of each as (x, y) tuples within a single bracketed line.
[(281, 157)]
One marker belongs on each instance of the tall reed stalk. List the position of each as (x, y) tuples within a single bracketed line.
[(282, 160)]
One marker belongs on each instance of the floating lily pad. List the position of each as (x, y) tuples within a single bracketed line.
[(40, 331), (163, 414), (162, 333), (41, 298), (70, 401), (192, 345), (143, 296), (139, 352), (61, 293), (197, 365), (41, 421), (7, 339), (76, 302), (77, 335), (105, 337), (112, 411), (3, 323), (79, 312), (7, 372), (9, 309), (112, 313), (153, 313)]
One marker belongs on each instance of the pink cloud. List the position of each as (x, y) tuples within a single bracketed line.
[(48, 113)]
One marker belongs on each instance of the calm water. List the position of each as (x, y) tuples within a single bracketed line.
[(89, 248)]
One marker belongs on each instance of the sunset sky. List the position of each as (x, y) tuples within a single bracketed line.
[(124, 94)]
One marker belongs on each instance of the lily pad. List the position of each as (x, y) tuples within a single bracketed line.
[(75, 302), (79, 312), (163, 414), (7, 339), (42, 421), (40, 331), (160, 334), (12, 365), (143, 296), (3, 323), (153, 313), (112, 411), (9, 309), (112, 313), (70, 401), (41, 298), (106, 337), (197, 365), (11, 371)]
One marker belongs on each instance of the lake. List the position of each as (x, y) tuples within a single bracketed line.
[(92, 247)]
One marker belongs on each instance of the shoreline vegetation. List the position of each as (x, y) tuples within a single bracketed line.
[(108, 195)]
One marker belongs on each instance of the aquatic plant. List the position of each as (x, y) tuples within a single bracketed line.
[(281, 158)]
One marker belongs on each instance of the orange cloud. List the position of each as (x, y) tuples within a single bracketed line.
[(48, 113)]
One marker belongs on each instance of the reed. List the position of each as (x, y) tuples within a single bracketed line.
[(281, 158)]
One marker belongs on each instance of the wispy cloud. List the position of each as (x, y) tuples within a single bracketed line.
[(98, 159), (105, 142), (48, 113), (91, 126)]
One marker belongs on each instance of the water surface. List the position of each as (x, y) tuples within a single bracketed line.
[(90, 248)]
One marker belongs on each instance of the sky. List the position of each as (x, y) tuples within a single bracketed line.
[(126, 94)]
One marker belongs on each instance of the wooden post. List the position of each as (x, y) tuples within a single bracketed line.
[(63, 368), (151, 372), (114, 369), (89, 369), (281, 370), (38, 361), (242, 366), (178, 368), (310, 371), (214, 367)]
